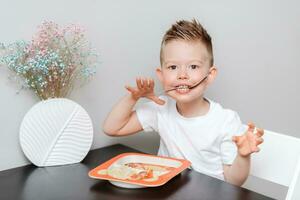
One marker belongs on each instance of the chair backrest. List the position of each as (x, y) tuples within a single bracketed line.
[(277, 160), (294, 189)]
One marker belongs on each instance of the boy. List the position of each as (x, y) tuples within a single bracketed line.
[(190, 126)]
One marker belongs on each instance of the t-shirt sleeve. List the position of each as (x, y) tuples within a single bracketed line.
[(147, 116), (232, 127)]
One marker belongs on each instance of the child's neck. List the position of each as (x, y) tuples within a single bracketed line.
[(196, 108)]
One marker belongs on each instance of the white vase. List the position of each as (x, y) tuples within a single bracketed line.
[(56, 132)]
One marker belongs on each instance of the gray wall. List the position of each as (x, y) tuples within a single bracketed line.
[(256, 46)]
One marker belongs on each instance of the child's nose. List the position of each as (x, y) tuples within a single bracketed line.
[(182, 74)]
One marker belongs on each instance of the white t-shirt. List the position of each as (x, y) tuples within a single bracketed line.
[(206, 141)]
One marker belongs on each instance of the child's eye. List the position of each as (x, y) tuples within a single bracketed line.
[(172, 67), (194, 66)]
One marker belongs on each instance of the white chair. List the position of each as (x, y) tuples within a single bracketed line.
[(278, 161), (294, 189)]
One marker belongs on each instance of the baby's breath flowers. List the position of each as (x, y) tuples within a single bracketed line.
[(53, 63)]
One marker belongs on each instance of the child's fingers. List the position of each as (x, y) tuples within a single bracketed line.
[(237, 140), (260, 132), (251, 126), (160, 101), (148, 83), (139, 82), (234, 139), (157, 100), (130, 89), (143, 83), (259, 140), (151, 83), (256, 149)]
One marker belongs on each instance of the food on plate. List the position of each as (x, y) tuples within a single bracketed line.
[(136, 171)]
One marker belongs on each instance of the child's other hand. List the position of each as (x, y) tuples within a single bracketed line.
[(145, 88), (249, 141)]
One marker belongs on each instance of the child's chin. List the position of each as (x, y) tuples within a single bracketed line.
[(183, 98)]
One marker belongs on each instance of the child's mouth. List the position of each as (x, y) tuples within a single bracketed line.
[(183, 89)]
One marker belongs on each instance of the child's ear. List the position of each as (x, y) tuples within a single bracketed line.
[(213, 74), (159, 74)]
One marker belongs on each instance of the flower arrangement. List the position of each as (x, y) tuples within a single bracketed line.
[(53, 62)]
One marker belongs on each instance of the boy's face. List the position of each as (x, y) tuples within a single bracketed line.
[(184, 64)]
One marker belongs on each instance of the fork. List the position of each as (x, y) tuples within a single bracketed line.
[(190, 87)]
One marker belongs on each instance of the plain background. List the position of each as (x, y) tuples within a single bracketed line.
[(256, 48)]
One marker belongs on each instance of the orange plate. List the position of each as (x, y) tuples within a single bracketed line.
[(178, 165)]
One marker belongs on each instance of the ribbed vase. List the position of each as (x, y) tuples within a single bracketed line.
[(56, 132)]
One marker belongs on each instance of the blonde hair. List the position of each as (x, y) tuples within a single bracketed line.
[(188, 31)]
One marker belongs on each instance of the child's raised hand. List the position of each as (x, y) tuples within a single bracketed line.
[(249, 141), (145, 88)]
